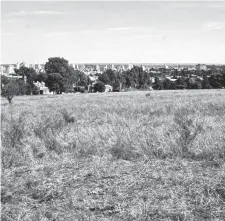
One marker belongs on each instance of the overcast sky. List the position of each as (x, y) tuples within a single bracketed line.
[(113, 32)]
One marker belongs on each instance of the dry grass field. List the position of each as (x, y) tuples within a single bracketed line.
[(114, 156)]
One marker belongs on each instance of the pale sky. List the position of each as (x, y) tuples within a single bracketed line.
[(113, 32)]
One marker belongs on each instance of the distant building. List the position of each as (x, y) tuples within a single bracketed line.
[(200, 67), (17, 65), (166, 66), (113, 67), (130, 66), (23, 64), (42, 88), (97, 68), (73, 66), (3, 69), (143, 68), (10, 69), (108, 88), (106, 67)]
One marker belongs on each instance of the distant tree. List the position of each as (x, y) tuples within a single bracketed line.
[(59, 73), (4, 80), (35, 90), (111, 75), (116, 85), (223, 73), (191, 83), (122, 79), (58, 65), (205, 83), (198, 84), (129, 80), (30, 74), (82, 79), (99, 87), (157, 85), (22, 87), (194, 83), (42, 77), (104, 78), (167, 84), (181, 83), (28, 89), (55, 83), (216, 81), (74, 78), (10, 90)]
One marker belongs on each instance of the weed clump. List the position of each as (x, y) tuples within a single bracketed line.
[(12, 135), (124, 153), (67, 117), (188, 128), (148, 95)]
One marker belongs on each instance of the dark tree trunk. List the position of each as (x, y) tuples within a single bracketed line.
[(9, 100)]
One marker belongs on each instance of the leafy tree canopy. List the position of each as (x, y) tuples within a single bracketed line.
[(58, 65), (30, 74), (10, 90), (56, 83)]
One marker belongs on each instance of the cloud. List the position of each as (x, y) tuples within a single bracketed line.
[(210, 26), (181, 5), (152, 36), (217, 5), (8, 33), (26, 13), (119, 29), (47, 13), (50, 34)]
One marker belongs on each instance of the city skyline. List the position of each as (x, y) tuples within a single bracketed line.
[(114, 32)]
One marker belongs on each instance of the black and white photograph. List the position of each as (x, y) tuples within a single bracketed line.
[(112, 110)]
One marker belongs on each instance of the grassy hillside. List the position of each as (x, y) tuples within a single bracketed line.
[(114, 156)]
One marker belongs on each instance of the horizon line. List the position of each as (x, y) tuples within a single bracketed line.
[(209, 63)]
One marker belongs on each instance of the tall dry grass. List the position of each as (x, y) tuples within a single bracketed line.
[(115, 156)]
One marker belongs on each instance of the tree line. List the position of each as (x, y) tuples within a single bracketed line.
[(60, 77), (138, 78)]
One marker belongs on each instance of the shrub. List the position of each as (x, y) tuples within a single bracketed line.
[(124, 153), (11, 136), (187, 128), (35, 90), (67, 117), (99, 87), (28, 90), (82, 89)]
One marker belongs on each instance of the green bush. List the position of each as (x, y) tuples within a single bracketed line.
[(35, 90), (99, 87)]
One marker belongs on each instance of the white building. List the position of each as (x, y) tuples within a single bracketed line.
[(200, 67), (10, 69), (130, 66), (2, 69), (97, 68), (166, 66), (108, 88), (143, 67), (42, 88), (106, 67)]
